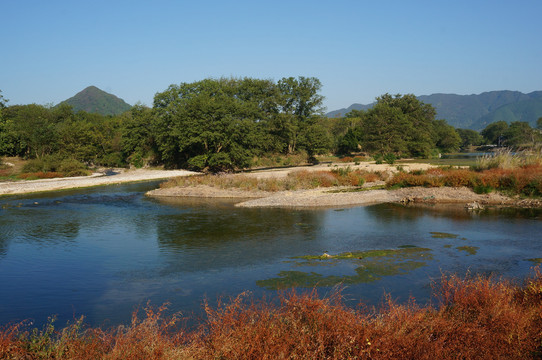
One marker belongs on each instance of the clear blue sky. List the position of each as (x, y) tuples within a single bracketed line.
[(50, 50)]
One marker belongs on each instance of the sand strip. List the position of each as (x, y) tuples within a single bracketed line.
[(30, 186)]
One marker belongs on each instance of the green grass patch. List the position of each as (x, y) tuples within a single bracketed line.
[(443, 235), (372, 266), (471, 250)]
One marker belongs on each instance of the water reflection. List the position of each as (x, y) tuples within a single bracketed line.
[(209, 237), (103, 251)]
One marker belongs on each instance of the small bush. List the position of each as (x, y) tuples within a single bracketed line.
[(53, 166), (115, 160), (219, 162), (389, 158), (72, 167), (40, 175), (197, 163), (34, 165)]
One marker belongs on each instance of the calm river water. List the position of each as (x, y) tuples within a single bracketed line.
[(104, 251)]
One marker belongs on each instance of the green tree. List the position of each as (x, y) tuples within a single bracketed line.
[(7, 136), (539, 123), (494, 133), (446, 137), (298, 100), (138, 143), (520, 133), (197, 123), (317, 138), (470, 138), (398, 124), (35, 129), (3, 102)]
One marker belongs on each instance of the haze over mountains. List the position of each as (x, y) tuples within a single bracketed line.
[(94, 100), (476, 111)]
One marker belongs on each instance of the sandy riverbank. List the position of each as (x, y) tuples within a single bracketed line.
[(330, 197), (116, 177)]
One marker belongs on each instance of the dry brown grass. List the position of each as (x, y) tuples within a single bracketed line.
[(302, 179), (474, 317), (524, 180), (40, 175)]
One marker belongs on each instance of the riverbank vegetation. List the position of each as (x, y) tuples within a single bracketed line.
[(512, 174), (474, 317), (230, 124), (509, 173), (295, 180)]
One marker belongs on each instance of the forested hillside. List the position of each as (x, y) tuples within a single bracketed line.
[(94, 100), (476, 111)]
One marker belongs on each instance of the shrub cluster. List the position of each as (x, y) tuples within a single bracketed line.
[(525, 180), (475, 318), (276, 160), (53, 164)]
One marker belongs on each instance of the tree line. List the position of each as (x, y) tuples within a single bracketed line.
[(223, 124)]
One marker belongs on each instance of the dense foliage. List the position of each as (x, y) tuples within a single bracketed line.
[(400, 125), (518, 134), (232, 123)]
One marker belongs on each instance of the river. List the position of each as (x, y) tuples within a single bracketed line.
[(102, 252)]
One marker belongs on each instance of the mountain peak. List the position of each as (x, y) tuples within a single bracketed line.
[(94, 100)]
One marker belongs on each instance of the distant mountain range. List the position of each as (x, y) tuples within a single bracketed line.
[(476, 111), (94, 100)]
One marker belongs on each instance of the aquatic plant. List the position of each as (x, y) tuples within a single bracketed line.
[(372, 265)]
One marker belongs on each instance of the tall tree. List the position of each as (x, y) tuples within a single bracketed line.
[(35, 128), (138, 143), (211, 123), (494, 133), (519, 134), (399, 124), (470, 138), (299, 99), (447, 139), (3, 102)]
